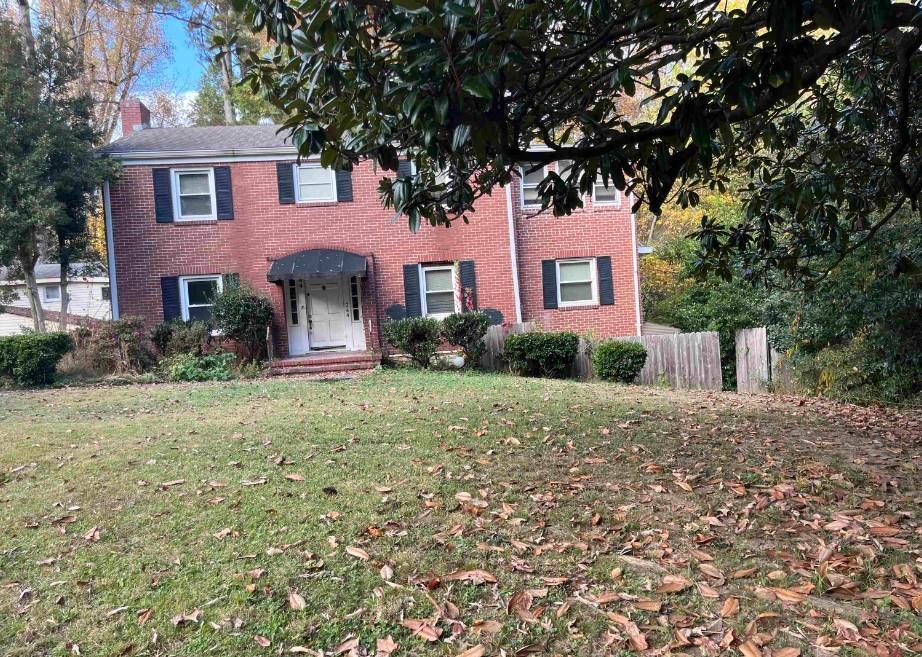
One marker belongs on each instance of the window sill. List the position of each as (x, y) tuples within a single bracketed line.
[(315, 204), (191, 222), (588, 306), (601, 207)]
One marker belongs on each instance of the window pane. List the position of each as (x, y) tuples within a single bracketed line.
[(309, 174), (603, 195), (440, 302), (530, 196), (439, 280), (564, 168), (199, 292), (534, 177), (574, 271), (194, 183), (52, 293), (575, 292), (106, 294), (195, 206), (311, 192), (200, 314)]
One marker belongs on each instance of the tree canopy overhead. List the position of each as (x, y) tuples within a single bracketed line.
[(470, 90)]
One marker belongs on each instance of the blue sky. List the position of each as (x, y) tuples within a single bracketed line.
[(185, 69)]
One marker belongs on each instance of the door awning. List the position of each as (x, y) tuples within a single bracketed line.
[(317, 263)]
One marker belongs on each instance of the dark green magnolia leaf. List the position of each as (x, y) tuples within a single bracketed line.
[(477, 87)]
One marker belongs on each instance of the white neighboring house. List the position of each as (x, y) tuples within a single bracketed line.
[(88, 291)]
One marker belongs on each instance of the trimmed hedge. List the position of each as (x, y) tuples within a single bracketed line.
[(30, 359), (619, 360), (541, 354), (418, 337), (466, 330)]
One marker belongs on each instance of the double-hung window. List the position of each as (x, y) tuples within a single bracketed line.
[(314, 183), (194, 195), (602, 195), (197, 295), (577, 283), (438, 290), (531, 176)]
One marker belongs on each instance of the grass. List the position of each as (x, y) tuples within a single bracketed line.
[(127, 509)]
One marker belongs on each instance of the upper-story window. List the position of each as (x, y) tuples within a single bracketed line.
[(438, 288), (52, 292), (314, 183), (531, 177), (193, 194), (577, 284), (602, 195)]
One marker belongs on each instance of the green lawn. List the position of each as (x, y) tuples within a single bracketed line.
[(451, 511)]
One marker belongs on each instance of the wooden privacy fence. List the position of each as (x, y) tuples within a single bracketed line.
[(683, 360), (753, 360)]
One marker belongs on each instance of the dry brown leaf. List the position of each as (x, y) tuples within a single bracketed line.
[(144, 615), (296, 601), (424, 629), (358, 553), (294, 476), (730, 608), (487, 626), (786, 652), (673, 584), (347, 646), (262, 641), (749, 649), (476, 651), (472, 576), (384, 647)]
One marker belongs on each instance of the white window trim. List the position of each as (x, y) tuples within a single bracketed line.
[(45, 289), (422, 289), (615, 203), (177, 212), (297, 178), (593, 278), (184, 294), (522, 186)]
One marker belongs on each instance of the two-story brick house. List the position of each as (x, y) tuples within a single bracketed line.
[(193, 206)]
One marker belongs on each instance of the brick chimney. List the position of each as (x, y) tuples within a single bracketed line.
[(135, 116)]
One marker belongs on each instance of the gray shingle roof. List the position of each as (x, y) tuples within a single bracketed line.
[(44, 270), (212, 138)]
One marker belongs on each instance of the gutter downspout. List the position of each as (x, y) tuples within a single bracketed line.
[(110, 250), (513, 257), (636, 266)]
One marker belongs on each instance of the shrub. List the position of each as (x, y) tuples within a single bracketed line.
[(116, 347), (619, 360), (466, 330), (30, 359), (189, 367), (243, 316), (179, 337), (541, 354), (418, 337)]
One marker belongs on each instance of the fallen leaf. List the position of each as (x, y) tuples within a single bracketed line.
[(423, 629), (296, 601), (358, 553), (384, 647), (144, 615), (472, 576), (262, 641), (730, 608), (347, 646), (749, 649), (294, 476), (476, 651), (673, 584)]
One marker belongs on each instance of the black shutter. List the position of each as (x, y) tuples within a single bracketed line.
[(404, 169), (222, 190), (343, 185), (163, 196), (411, 296), (468, 282), (549, 281), (285, 171), (606, 284), (169, 290), (230, 280)]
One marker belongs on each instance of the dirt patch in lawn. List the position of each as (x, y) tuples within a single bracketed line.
[(407, 513)]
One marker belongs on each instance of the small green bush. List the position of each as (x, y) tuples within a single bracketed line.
[(466, 330), (216, 366), (243, 316), (179, 337), (541, 354), (30, 359), (418, 337), (619, 360)]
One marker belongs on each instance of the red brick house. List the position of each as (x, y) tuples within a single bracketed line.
[(194, 206)]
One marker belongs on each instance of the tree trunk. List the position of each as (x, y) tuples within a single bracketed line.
[(65, 273), (25, 29), (35, 302), (227, 87)]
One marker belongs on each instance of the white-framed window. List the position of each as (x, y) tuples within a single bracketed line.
[(314, 184), (194, 195), (530, 179), (106, 292), (602, 195), (196, 296), (439, 295), (577, 283), (51, 292)]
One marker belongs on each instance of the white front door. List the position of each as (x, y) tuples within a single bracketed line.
[(296, 311), (327, 323)]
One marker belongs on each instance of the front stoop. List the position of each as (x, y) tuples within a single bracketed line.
[(330, 361)]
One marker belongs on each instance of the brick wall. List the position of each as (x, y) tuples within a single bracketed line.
[(263, 230)]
